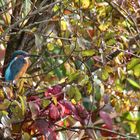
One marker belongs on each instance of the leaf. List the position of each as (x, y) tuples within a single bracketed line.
[(38, 40), (27, 7), (103, 27), (97, 93), (41, 126), (133, 83), (74, 93), (2, 50), (107, 119), (106, 99), (132, 63), (89, 87), (137, 70), (16, 111), (138, 127), (109, 35), (88, 52), (35, 109), (67, 49), (81, 113), (45, 103), (23, 104), (1, 95), (54, 112), (55, 91), (84, 4), (83, 79), (73, 76), (4, 105), (50, 46), (104, 75), (26, 136), (111, 42), (68, 106), (63, 25), (67, 12), (90, 33), (69, 69), (20, 85)]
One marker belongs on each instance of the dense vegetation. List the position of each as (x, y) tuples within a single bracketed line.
[(86, 82)]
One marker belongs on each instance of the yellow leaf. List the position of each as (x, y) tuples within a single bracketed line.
[(85, 4), (63, 25), (54, 99), (73, 101), (104, 27), (23, 104)]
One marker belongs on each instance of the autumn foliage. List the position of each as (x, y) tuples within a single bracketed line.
[(85, 84)]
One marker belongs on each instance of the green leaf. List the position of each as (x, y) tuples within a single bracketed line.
[(132, 63), (111, 42), (58, 72), (88, 52), (138, 127), (89, 87), (83, 79), (97, 93), (26, 136), (27, 7), (109, 35), (67, 49), (16, 111), (104, 75), (133, 83), (137, 70), (45, 103), (73, 76), (74, 93)]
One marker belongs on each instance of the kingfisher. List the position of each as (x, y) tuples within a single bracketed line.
[(17, 66)]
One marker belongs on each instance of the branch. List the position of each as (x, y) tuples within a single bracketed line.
[(96, 128)]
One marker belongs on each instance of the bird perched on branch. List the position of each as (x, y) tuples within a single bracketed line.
[(17, 66)]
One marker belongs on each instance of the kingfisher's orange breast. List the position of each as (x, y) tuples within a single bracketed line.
[(23, 69)]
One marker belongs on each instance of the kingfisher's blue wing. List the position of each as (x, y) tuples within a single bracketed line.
[(14, 68)]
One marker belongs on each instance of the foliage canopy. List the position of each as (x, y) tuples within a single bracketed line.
[(86, 82)]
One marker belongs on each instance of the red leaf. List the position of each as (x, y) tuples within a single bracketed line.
[(55, 90), (2, 52), (82, 112), (107, 119), (69, 106), (90, 32), (67, 12), (52, 135), (106, 133), (62, 123), (54, 112), (64, 111), (35, 99), (41, 126)]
